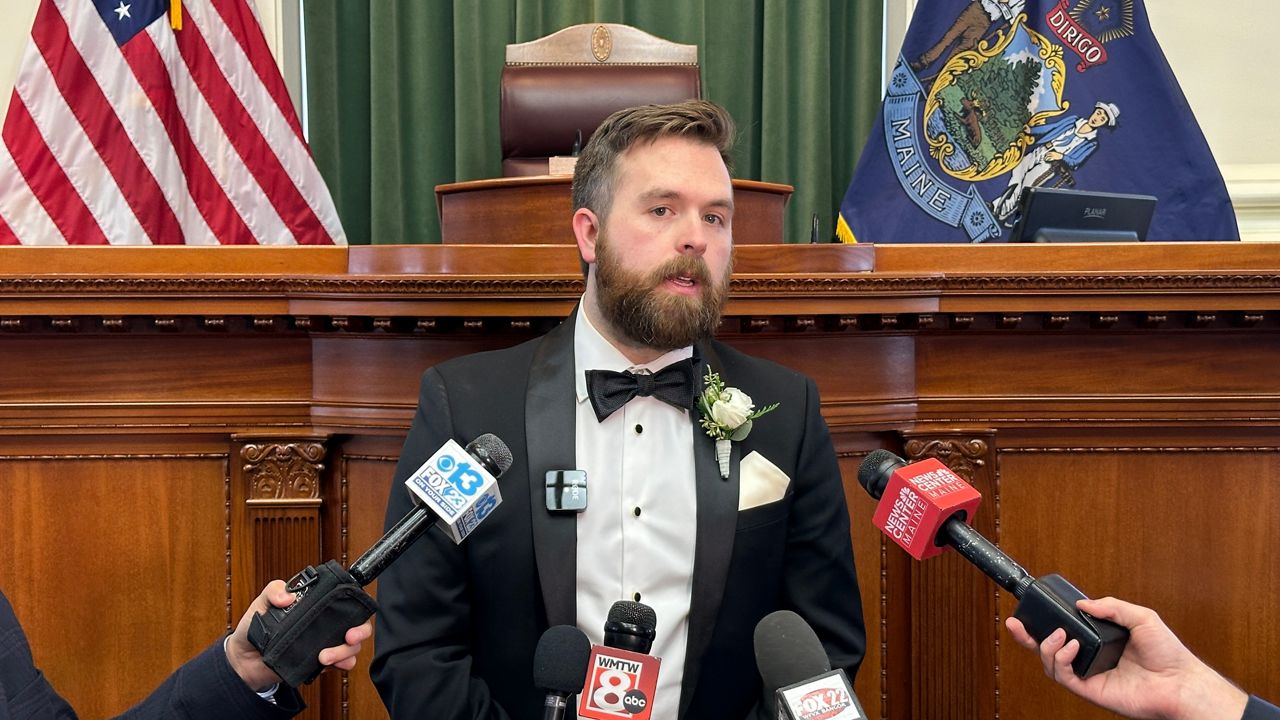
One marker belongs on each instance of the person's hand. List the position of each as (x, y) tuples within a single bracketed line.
[(1157, 676), (1053, 156), (247, 661)]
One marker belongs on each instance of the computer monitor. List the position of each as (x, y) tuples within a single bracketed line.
[(1058, 215)]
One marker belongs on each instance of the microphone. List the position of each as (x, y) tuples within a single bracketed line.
[(631, 626), (924, 506), (797, 675), (447, 489), (456, 487), (560, 667), (621, 677)]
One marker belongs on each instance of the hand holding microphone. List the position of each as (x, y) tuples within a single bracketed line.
[(1157, 675), (246, 660), (924, 506), (456, 488)]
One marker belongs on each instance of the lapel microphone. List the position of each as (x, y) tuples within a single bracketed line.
[(566, 491)]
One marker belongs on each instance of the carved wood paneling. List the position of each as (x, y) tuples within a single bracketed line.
[(281, 480), (1133, 393), (283, 471), (1167, 526), (364, 481), (953, 605), (120, 552)]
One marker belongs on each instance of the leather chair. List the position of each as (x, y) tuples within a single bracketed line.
[(570, 81)]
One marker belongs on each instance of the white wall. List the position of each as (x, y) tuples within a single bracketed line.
[(15, 35), (1233, 89), (1229, 82)]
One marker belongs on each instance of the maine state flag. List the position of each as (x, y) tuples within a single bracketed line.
[(990, 97)]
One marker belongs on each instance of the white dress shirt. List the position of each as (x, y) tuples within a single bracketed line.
[(636, 537)]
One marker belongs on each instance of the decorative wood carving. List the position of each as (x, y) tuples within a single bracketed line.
[(732, 322), (967, 457), (283, 470), (757, 282)]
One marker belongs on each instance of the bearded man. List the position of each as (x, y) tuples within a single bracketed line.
[(711, 548)]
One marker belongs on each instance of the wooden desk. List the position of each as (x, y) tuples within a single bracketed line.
[(537, 208), (179, 425)]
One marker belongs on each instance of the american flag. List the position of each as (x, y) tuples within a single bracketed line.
[(125, 130)]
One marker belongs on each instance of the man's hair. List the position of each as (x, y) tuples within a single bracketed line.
[(595, 174)]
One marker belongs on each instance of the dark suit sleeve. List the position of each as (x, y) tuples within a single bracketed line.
[(24, 691), (422, 659), (206, 688), (1259, 709), (821, 583)]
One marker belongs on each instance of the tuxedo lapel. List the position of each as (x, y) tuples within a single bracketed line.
[(717, 521), (550, 422)]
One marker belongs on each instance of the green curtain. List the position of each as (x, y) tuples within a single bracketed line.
[(403, 94)]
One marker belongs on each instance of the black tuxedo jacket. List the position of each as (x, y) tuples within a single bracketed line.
[(459, 623), (206, 688)]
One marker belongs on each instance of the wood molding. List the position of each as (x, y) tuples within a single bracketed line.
[(283, 471)]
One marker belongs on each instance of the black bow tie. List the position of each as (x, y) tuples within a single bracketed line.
[(673, 384)]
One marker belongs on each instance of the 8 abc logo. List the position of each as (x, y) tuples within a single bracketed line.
[(616, 688)]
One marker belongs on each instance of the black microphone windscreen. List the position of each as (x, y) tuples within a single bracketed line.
[(490, 450), (634, 613), (631, 626), (560, 662), (874, 472), (788, 650)]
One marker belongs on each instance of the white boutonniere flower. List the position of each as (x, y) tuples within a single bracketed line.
[(727, 416)]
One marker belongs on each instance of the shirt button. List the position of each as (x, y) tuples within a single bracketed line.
[(637, 511), (639, 428), (637, 597)]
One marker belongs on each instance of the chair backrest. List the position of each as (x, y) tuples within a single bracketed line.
[(571, 80)]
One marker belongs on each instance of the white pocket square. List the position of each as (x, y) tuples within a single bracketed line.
[(760, 482)]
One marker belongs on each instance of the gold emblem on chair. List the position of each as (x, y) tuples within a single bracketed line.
[(601, 43)]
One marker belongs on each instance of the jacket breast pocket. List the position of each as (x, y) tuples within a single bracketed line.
[(764, 515)]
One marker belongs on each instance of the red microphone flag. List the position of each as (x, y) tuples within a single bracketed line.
[(917, 500), (620, 685)]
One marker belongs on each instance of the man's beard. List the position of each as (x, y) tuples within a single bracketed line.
[(635, 305)]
